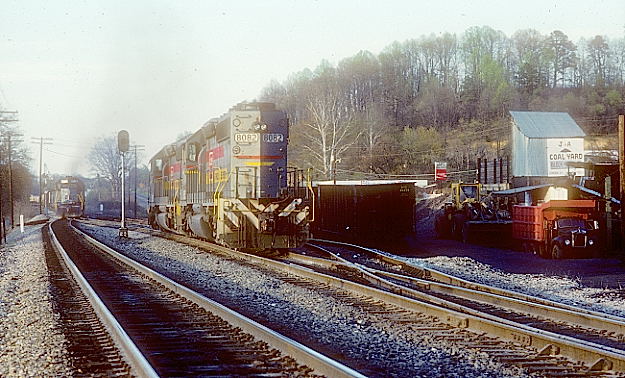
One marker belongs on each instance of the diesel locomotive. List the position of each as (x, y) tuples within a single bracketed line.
[(229, 183), (66, 197)]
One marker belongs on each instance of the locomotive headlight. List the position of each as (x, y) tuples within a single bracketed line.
[(591, 242), (263, 127), (567, 242)]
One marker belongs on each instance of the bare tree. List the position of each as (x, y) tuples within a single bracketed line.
[(329, 132), (107, 163)]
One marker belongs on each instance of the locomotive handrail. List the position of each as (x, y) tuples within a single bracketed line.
[(217, 194)]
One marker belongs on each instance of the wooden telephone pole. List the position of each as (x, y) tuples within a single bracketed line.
[(621, 162), (41, 141), (6, 117)]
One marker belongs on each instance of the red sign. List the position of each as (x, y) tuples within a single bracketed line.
[(440, 170)]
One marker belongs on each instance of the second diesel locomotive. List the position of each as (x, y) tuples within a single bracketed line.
[(67, 197), (229, 183)]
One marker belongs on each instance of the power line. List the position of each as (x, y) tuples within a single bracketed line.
[(468, 172), (59, 153)]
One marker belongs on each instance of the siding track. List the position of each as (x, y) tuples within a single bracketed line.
[(592, 340)]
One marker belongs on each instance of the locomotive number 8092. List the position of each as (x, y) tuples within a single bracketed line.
[(229, 183)]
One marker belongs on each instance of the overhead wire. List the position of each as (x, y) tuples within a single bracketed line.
[(62, 154)]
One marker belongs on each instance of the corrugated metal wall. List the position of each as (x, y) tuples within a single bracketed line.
[(529, 155)]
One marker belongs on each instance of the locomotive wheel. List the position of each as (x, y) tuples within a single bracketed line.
[(557, 252)]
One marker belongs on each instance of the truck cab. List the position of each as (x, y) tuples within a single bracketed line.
[(572, 236)]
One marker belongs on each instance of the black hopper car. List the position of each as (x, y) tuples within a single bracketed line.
[(357, 211)]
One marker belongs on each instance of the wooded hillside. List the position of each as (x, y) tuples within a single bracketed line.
[(445, 98)]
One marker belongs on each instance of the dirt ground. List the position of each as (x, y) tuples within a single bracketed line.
[(596, 272)]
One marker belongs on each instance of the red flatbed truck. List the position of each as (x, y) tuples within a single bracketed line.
[(557, 229)]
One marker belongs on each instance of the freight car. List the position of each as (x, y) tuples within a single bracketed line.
[(357, 211), (66, 197), (229, 183)]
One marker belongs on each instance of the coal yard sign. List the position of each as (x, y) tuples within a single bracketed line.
[(562, 151)]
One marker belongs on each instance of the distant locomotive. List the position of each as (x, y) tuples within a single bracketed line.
[(229, 183), (66, 197)]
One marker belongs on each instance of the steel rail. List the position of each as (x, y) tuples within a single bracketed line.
[(302, 354), (588, 319), (436, 275), (598, 323), (136, 360), (596, 356), (582, 319)]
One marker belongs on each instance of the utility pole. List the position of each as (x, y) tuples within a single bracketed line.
[(12, 199), (2, 230), (41, 142), (621, 161), (11, 185), (6, 116), (136, 147), (122, 147), (608, 212)]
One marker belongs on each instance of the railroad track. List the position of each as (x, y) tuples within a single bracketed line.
[(593, 341), (163, 328), (396, 291)]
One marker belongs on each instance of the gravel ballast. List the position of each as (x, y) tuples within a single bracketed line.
[(556, 288), (368, 341), (30, 341)]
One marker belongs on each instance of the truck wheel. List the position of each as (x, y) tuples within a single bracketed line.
[(556, 252)]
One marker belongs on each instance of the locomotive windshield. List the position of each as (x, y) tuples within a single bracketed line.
[(157, 166), (192, 152), (69, 193)]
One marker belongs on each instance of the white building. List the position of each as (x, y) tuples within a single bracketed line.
[(544, 142)]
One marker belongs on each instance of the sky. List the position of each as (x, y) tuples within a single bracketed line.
[(77, 71)]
